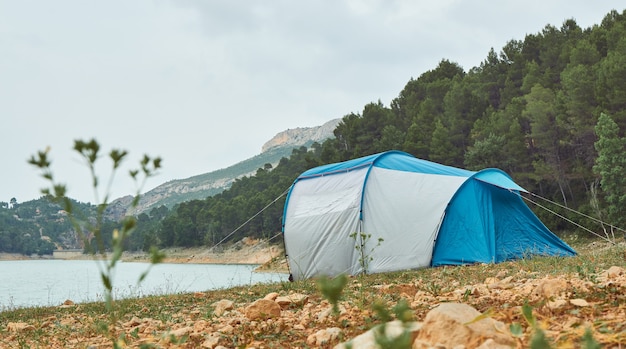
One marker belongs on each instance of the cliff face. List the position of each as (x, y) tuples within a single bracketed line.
[(299, 136)]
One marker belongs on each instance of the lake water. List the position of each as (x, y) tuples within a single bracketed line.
[(51, 282)]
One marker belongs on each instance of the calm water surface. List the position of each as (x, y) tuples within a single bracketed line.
[(51, 282)]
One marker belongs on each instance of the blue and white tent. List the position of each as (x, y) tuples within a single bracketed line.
[(407, 213)]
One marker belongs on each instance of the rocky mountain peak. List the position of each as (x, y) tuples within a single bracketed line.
[(296, 137)]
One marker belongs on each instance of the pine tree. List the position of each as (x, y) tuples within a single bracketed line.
[(610, 166)]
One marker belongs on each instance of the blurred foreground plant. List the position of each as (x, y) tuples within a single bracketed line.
[(332, 289), (90, 231)]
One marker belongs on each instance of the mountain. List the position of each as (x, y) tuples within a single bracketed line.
[(293, 138), (208, 184)]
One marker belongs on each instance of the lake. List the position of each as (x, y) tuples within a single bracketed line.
[(50, 282)]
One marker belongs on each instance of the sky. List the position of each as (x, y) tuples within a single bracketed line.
[(203, 84)]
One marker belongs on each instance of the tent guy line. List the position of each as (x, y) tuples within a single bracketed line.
[(571, 221), (250, 219)]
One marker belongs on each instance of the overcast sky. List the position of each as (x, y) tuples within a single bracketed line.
[(203, 84)]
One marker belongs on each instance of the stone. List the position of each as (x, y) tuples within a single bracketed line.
[(491, 280), (211, 341), (221, 306), (453, 324), (579, 302), (271, 296), (613, 272), (227, 329), (19, 327), (367, 340), (292, 300), (262, 309), (324, 314), (68, 303), (550, 288), (324, 336), (557, 303), (491, 344), (180, 332)]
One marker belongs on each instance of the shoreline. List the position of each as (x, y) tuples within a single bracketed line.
[(270, 258)]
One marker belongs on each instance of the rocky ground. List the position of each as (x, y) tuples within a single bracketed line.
[(577, 302)]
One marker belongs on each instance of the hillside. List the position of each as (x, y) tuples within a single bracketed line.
[(200, 186)]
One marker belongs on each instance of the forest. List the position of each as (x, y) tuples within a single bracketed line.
[(550, 110)]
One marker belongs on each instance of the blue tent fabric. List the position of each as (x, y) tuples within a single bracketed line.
[(487, 224), (425, 214)]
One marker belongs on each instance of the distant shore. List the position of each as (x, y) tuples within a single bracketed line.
[(255, 252), (18, 257)]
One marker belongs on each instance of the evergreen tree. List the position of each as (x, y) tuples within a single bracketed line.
[(441, 149), (610, 166)]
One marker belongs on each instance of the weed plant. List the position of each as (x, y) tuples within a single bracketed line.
[(91, 231)]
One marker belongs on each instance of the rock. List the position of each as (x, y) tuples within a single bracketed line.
[(549, 288), (367, 340), (67, 304), (135, 321), (181, 332), (19, 327), (579, 302), (613, 272), (490, 344), (271, 296), (295, 299), (226, 329), (326, 313), (300, 135), (200, 325), (324, 336), (262, 309), (557, 303), (491, 280), (221, 306), (212, 340), (453, 324), (501, 274)]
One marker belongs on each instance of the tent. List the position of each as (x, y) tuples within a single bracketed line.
[(391, 211)]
